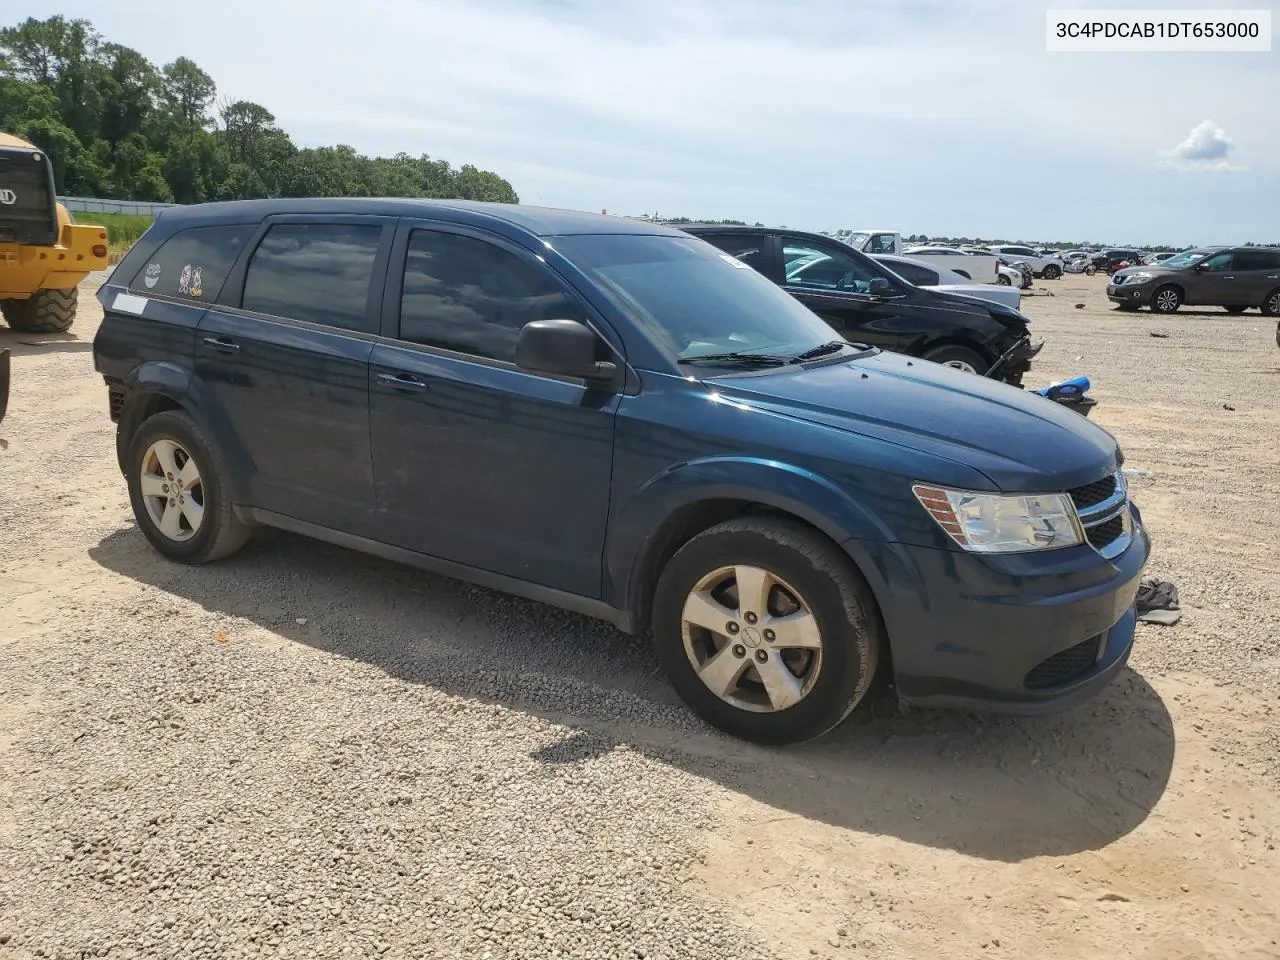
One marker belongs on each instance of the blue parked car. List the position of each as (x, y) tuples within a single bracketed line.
[(620, 419)]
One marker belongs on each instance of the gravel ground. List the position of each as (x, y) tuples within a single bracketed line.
[(304, 752)]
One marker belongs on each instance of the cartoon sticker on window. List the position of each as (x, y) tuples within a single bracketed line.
[(184, 281), (151, 276), (195, 282)]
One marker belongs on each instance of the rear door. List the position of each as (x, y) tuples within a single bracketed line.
[(757, 249), (286, 352), (1258, 271), (1214, 282)]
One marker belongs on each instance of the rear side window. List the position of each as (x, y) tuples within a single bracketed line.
[(470, 296), (747, 247), (1258, 259), (192, 264), (317, 272)]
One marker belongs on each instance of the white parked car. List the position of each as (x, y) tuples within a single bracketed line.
[(1048, 267), (920, 273), (979, 267)]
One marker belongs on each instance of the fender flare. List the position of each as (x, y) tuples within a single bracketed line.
[(641, 530), (179, 385)]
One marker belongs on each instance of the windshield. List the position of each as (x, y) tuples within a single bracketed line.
[(859, 240), (1186, 258), (694, 299)]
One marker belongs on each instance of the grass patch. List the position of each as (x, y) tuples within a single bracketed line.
[(123, 229)]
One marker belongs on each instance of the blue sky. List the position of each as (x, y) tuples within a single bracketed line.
[(933, 116)]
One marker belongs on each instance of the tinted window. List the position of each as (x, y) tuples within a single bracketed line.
[(913, 273), (194, 263), (749, 248), (1218, 262), (1258, 259), (819, 267), (694, 299), (319, 272), (467, 295)]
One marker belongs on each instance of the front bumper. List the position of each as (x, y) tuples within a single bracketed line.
[(1021, 633), (1125, 293)]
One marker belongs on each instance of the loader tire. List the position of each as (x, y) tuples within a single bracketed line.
[(45, 311)]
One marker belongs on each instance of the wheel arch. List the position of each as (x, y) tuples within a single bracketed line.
[(675, 507), (153, 388)]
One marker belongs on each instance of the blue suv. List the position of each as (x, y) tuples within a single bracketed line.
[(620, 419)]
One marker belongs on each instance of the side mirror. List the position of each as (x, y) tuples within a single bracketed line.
[(565, 348), (880, 287), (1199, 268)]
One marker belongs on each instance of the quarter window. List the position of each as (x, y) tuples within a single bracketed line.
[(470, 296), (317, 272), (192, 264)]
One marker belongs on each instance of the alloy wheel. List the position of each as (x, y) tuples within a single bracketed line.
[(172, 490), (752, 639)]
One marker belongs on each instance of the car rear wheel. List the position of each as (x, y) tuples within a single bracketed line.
[(176, 479), (959, 358), (45, 311), (1166, 300), (766, 630), (1235, 309), (1004, 281), (1052, 272), (1271, 305)]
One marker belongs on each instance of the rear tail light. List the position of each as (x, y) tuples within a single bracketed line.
[(99, 250)]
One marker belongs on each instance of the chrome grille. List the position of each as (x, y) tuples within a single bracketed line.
[(1103, 508)]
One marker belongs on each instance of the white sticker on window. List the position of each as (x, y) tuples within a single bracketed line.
[(734, 262), (129, 303), (151, 276)]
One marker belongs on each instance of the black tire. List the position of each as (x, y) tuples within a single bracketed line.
[(1235, 309), (220, 532), (952, 355), (1271, 304), (1052, 272), (1090, 270), (1003, 280), (45, 311), (1167, 299), (838, 598)]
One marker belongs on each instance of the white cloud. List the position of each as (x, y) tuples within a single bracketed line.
[(1206, 149)]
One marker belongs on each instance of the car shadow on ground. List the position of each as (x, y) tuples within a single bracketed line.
[(33, 344), (998, 788)]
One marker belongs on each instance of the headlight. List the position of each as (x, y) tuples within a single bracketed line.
[(1140, 275), (1002, 523)]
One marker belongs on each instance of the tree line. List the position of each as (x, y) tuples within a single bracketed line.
[(118, 127)]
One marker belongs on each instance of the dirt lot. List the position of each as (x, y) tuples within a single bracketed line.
[(304, 752)]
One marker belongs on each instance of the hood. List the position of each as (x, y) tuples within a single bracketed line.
[(1155, 269), (1022, 442)]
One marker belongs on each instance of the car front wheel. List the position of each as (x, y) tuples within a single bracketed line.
[(1052, 272), (1166, 300), (177, 488), (958, 358), (1004, 281), (766, 630)]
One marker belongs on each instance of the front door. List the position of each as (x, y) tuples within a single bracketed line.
[(836, 284), (475, 460), (1214, 282), (287, 357)]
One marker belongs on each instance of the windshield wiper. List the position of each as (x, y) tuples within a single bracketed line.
[(754, 359), (825, 349)]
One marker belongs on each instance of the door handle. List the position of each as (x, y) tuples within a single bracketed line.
[(222, 344), (402, 381)]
